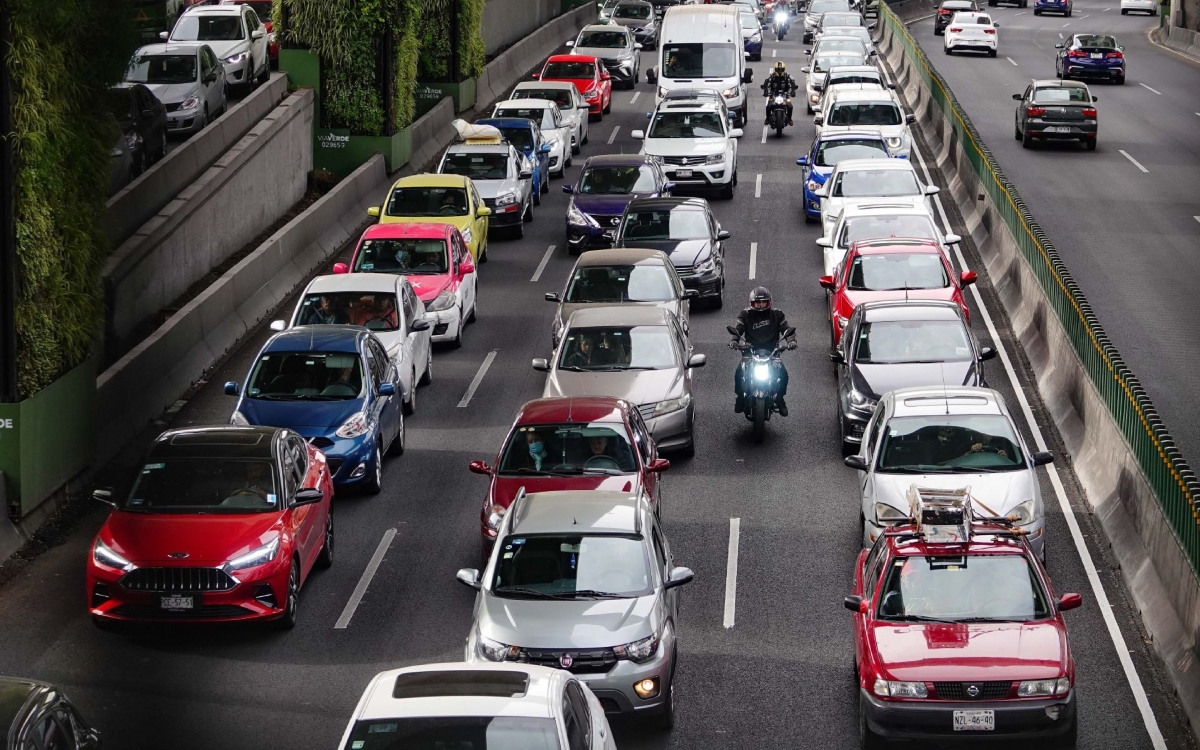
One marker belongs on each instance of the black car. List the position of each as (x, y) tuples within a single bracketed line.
[(901, 344), (143, 121), (946, 11), (686, 230), (605, 186), (1056, 111), (37, 716), (638, 16)]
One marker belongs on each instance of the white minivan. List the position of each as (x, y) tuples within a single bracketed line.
[(701, 47)]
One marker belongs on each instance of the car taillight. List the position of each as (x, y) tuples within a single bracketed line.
[(1089, 111), (1035, 111), (1116, 56), (956, 29), (1076, 53), (943, 12), (989, 31)]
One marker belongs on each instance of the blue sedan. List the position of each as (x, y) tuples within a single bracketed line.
[(526, 137), (1052, 6), (1090, 56), (827, 150), (336, 386)]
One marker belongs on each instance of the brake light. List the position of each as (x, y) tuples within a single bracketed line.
[(989, 31), (1116, 56), (1076, 53), (1089, 111), (943, 12), (956, 29), (1035, 111)]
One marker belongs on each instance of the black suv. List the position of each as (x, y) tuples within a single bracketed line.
[(947, 10)]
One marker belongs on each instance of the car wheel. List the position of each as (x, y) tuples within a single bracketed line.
[(265, 75), (518, 230), (719, 301), (1037, 12), (1068, 13), (1026, 141), (162, 146), (727, 190), (458, 335), (374, 482), (1120, 80), (1016, 131), (947, 48), (474, 316), (586, 135), (537, 196), (867, 739), (1070, 738), (608, 106), (573, 249), (291, 602), (1058, 73), (575, 147), (410, 406), (483, 257), (666, 720), (528, 217), (1124, 12), (1091, 144), (991, 53), (325, 558), (427, 377), (397, 446)]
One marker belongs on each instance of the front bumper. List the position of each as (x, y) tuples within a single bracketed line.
[(351, 460), (238, 73), (621, 74), (445, 324), (186, 121), (505, 216), (673, 430), (1052, 8), (579, 237), (614, 688), (934, 720), (703, 175), (708, 284)]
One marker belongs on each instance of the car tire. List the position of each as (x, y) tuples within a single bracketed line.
[(1026, 141), (1070, 738), (1058, 73), (458, 335), (483, 253), (528, 216), (947, 49), (1120, 81), (1124, 11), (474, 316), (608, 107), (265, 75), (575, 147), (719, 301), (665, 721), (573, 249), (1016, 131), (1091, 144), (410, 406), (1068, 13), (1037, 12), (325, 557), (587, 133), (427, 376), (397, 445), (991, 53), (867, 740), (374, 483), (518, 230), (291, 600), (537, 196)]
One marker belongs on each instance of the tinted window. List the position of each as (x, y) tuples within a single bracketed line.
[(604, 39), (427, 201), (190, 485), (841, 45), (1062, 94), (650, 283), (476, 165), (1093, 40), (823, 63), (568, 70), (638, 12), (825, 6), (666, 224), (561, 97), (162, 69), (618, 348), (829, 153), (373, 310), (699, 60), (460, 733), (402, 256), (560, 565), (618, 181), (306, 376), (865, 113), (947, 442), (895, 341), (669, 124), (876, 227), (887, 272), (1003, 588)]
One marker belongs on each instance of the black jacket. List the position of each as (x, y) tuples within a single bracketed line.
[(762, 328), (779, 84)]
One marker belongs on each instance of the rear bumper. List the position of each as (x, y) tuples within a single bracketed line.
[(934, 720), (960, 43), (1077, 131), (1094, 71), (1051, 8)]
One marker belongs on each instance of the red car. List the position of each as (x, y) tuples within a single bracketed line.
[(592, 443), (887, 269), (222, 524), (435, 260), (588, 75), (958, 634)]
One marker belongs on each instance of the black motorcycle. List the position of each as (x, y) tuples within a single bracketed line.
[(777, 112), (760, 381), (782, 22)]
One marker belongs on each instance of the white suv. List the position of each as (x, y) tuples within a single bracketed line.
[(695, 144), (879, 220), (876, 109), (235, 34)]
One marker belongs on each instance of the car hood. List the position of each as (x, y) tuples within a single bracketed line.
[(876, 380), (605, 204), (684, 146), (534, 623), (1000, 492), (831, 206), (604, 53), (505, 487), (633, 23), (491, 188), (566, 309), (225, 49), (309, 418), (208, 540), (955, 652), (429, 286), (683, 253), (173, 93), (636, 386)]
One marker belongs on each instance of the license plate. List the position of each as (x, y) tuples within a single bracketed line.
[(1058, 130), (1096, 55), (177, 603), (974, 721), (683, 173)]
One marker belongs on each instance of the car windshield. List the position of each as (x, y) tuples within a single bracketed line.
[(1062, 94), (1000, 588), (828, 6), (375, 311), (537, 114), (889, 272), (685, 61), (865, 113), (885, 227), (618, 180), (193, 27), (634, 12), (840, 45), (876, 183), (749, 21), (569, 70), (559, 565), (306, 376), (618, 348), (957, 5), (569, 449), (667, 224), (891, 342), (402, 256), (946, 443), (204, 485), (603, 39), (648, 283), (162, 69), (836, 79), (466, 732), (686, 125), (1095, 40), (476, 165), (830, 20), (823, 63), (427, 201), (561, 97), (829, 153)]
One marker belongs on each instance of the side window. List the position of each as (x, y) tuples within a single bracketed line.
[(373, 365), (583, 716), (50, 735), (660, 552), (642, 436), (410, 304), (299, 460), (874, 561), (876, 428), (576, 738)]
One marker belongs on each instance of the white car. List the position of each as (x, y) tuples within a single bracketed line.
[(546, 115), (507, 705), (971, 31), (383, 304), (235, 34), (571, 105), (858, 181), (1139, 6), (695, 144), (815, 73), (864, 76), (875, 220), (948, 439), (876, 109)]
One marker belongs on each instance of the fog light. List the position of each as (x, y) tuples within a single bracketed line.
[(647, 688), (359, 471), (100, 594), (265, 596)]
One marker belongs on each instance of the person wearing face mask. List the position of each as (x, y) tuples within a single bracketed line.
[(537, 449)]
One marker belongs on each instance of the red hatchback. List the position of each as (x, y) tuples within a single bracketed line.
[(958, 634), (592, 443), (222, 524), (892, 269), (588, 75)]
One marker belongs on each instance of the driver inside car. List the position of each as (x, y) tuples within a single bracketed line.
[(600, 446)]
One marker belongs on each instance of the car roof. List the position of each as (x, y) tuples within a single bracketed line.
[(970, 14), (932, 401), (218, 441), (214, 10), (574, 409), (883, 207), (417, 230), (668, 201), (698, 103), (693, 92), (623, 255), (1051, 83), (854, 165), (503, 147), (619, 315), (317, 338), (554, 85), (170, 48), (604, 27), (890, 245), (576, 511), (15, 694), (854, 69), (985, 539), (881, 310), (616, 160), (430, 179), (353, 282), (451, 695), (509, 123), (866, 95)]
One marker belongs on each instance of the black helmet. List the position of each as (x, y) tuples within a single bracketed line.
[(760, 294)]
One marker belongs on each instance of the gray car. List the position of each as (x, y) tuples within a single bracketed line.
[(1057, 111), (634, 352), (186, 77), (584, 581), (614, 46), (501, 175), (604, 278), (638, 16)]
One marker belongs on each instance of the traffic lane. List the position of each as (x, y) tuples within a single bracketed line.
[(1118, 255)]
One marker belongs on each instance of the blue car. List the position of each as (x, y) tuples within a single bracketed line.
[(827, 150), (605, 187), (336, 386), (1051, 6), (526, 137), (1090, 56)]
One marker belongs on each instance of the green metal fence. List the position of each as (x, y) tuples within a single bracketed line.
[(1173, 482)]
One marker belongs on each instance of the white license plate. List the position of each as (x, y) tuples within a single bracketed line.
[(175, 603), (683, 173), (1097, 55), (974, 721), (1058, 130)]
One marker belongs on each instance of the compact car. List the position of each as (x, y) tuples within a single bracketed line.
[(1052, 6), (855, 182), (871, 108), (143, 121), (823, 156), (816, 10), (571, 106), (556, 131), (879, 220), (974, 32), (947, 9), (439, 199), (614, 46), (818, 68), (589, 76), (501, 175), (1057, 111), (188, 80), (235, 34)]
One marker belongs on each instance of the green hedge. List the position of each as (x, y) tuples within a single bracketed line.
[(436, 41)]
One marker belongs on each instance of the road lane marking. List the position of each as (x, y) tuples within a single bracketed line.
[(483, 368), (753, 259), (1105, 10), (735, 530), (1082, 17), (1136, 163), (1197, 218), (1060, 35), (613, 136), (633, 99), (1065, 25), (764, 138), (1014, 62), (542, 266), (773, 52), (361, 589), (1021, 13), (758, 186), (1150, 89), (1089, 566)]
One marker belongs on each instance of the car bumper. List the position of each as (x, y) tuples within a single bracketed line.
[(190, 121), (853, 424), (1149, 6), (812, 204), (507, 216), (959, 43), (934, 720), (579, 237), (1106, 72), (351, 460), (614, 688), (673, 431), (1051, 8), (708, 284), (1074, 131), (703, 175), (239, 73), (622, 74), (445, 324)]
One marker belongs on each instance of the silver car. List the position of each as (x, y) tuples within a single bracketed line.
[(502, 176), (571, 105), (634, 352), (614, 46), (815, 73), (584, 581), (638, 16), (622, 276), (187, 78)]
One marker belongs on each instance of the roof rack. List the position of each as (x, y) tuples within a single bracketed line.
[(944, 516)]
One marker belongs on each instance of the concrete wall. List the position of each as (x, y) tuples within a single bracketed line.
[(156, 187), (160, 369), (247, 189), (1181, 40), (506, 21)]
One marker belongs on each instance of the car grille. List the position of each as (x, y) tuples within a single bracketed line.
[(606, 222), (646, 410), (173, 107), (684, 161), (177, 579), (958, 691), (150, 612), (611, 62), (582, 662), (490, 203), (321, 443)]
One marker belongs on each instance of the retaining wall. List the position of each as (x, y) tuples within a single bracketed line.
[(506, 21), (1181, 40)]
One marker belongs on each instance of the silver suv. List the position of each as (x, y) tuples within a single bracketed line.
[(583, 581)]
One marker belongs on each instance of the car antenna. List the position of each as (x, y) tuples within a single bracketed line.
[(945, 392)]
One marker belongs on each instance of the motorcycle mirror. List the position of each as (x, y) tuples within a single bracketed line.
[(732, 331)]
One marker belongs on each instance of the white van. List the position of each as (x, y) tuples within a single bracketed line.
[(701, 47)]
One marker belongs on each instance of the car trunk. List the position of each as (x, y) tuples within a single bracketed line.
[(973, 31), (1066, 112)]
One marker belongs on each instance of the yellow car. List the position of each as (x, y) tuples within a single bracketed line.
[(439, 199)]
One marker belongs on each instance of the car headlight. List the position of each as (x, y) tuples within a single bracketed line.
[(894, 142), (842, 321), (762, 373), (888, 689), (1023, 513), (715, 158), (191, 102), (495, 517), (132, 140), (578, 218), (886, 514), (234, 59), (507, 198), (468, 236), (589, 95), (814, 97), (443, 301), (813, 186), (730, 92), (102, 554), (495, 650), (356, 426), (638, 651), (861, 400), (670, 405), (239, 419), (708, 265), (1034, 688), (263, 554)]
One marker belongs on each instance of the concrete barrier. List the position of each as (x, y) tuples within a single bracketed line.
[(139, 201), (157, 371), (506, 21), (1152, 560), (1183, 41), (430, 136), (257, 180)]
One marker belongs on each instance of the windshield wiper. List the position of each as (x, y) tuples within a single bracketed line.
[(910, 470), (524, 591), (919, 618), (586, 594), (975, 469), (535, 472), (990, 619), (572, 368), (599, 470)]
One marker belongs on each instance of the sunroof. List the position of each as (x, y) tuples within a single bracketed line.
[(481, 683)]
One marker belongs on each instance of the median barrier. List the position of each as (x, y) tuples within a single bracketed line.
[(1137, 483), (506, 21)]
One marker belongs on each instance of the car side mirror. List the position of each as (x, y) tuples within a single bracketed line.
[(389, 389), (1041, 458), (278, 325), (605, 76), (1095, 98), (525, 174), (210, 78), (568, 189), (967, 278), (748, 76), (483, 211), (1069, 601), (996, 25), (818, 119), (697, 360), (826, 282), (164, 35), (373, 212), (804, 69), (855, 462), (341, 268), (1018, 97), (637, 45), (910, 118), (651, 76), (638, 135), (854, 604), (1121, 47), (932, 190), (658, 464), (536, 76), (418, 325), (553, 297), (802, 161), (953, 239), (541, 365), (678, 577), (545, 149), (736, 133), (571, 43), (470, 577), (691, 293), (104, 495), (1059, 46), (723, 235), (258, 34), (824, 242), (480, 467), (466, 267), (986, 354), (231, 388), (308, 496), (821, 192)]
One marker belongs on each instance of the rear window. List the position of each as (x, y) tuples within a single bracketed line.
[(827, 6), (561, 97), (1063, 94), (465, 732), (823, 63), (636, 12), (621, 284), (569, 70), (885, 227), (477, 166), (865, 113), (1096, 40), (893, 272)]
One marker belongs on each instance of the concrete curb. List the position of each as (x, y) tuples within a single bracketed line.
[(1178, 40)]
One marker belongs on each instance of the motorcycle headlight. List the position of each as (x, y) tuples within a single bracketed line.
[(780, 100), (638, 651), (670, 405), (191, 102), (260, 556), (1023, 513), (102, 554), (781, 17), (356, 426), (495, 650), (894, 142), (234, 59), (762, 373), (443, 301), (715, 159), (578, 218), (239, 419), (730, 92), (886, 514), (507, 198), (888, 689), (1034, 688)]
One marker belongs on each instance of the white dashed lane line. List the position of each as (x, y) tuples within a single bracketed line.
[(1014, 62), (633, 99), (483, 368), (542, 266), (361, 589), (758, 186), (1135, 162), (753, 259), (731, 563), (613, 136), (1150, 89)]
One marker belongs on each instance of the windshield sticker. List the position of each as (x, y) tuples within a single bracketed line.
[(382, 728), (566, 547), (519, 541), (367, 267), (270, 499), (357, 745), (508, 555), (137, 501)]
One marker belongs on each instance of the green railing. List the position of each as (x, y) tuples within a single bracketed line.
[(1174, 483)]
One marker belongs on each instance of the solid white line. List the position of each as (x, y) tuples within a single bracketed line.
[(753, 259), (773, 52), (613, 136), (1021, 13), (1136, 163), (1197, 218), (1089, 566), (764, 138), (635, 96), (1150, 89), (542, 266), (1014, 62), (487, 362), (919, 19), (361, 589), (758, 186), (735, 530)]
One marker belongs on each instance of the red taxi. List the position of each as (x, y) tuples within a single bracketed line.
[(892, 269), (588, 75), (590, 443), (957, 632)]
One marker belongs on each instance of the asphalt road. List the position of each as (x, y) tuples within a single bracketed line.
[(1128, 233), (779, 677)]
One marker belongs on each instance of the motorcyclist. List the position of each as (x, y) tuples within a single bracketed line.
[(761, 326), (779, 82)]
